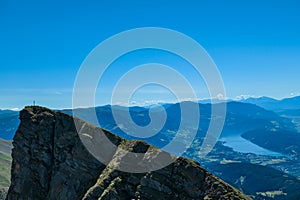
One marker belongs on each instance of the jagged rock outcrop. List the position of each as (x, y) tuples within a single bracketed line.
[(50, 162)]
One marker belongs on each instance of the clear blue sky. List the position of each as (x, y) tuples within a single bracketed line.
[(255, 44)]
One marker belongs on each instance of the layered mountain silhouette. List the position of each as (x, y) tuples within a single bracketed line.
[(274, 104), (241, 117), (51, 162)]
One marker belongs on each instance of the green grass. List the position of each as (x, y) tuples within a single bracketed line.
[(5, 165)]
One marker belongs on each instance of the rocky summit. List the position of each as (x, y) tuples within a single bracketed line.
[(51, 162)]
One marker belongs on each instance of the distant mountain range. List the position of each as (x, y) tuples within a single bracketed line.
[(241, 117), (264, 102), (274, 104), (269, 123)]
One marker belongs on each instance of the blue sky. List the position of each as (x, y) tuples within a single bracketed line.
[(255, 44)]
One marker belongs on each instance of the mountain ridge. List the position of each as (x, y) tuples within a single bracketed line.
[(275, 104), (50, 161)]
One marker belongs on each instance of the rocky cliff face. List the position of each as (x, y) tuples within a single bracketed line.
[(50, 162)]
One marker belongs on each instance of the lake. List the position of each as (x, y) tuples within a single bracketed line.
[(239, 144)]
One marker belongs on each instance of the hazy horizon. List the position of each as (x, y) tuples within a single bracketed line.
[(147, 104)]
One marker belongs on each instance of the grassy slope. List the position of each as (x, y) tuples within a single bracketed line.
[(5, 163)]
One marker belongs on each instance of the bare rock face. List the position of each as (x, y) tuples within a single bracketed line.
[(51, 162)]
